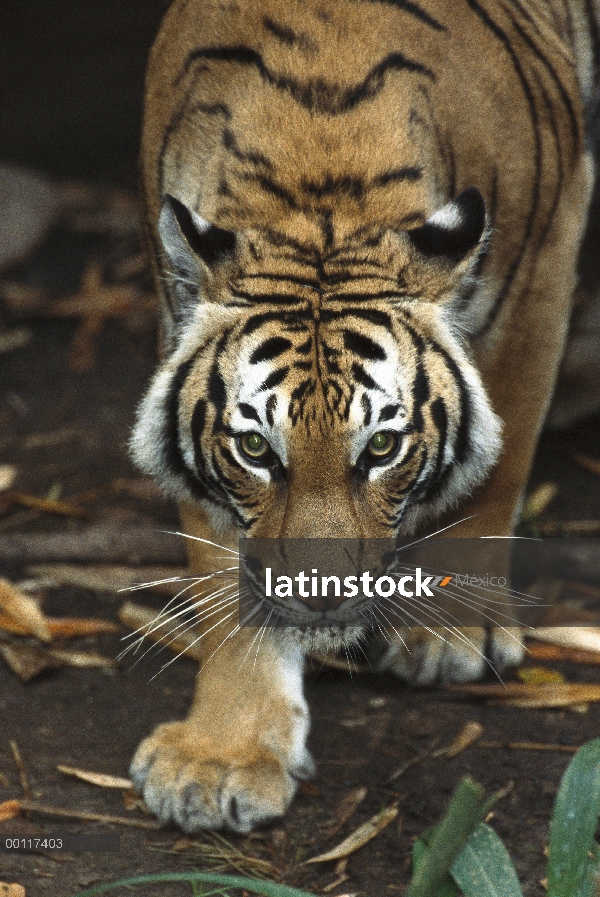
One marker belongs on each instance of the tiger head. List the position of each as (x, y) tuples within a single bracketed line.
[(319, 389)]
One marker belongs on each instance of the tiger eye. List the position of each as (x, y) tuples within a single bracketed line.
[(254, 445), (382, 444)]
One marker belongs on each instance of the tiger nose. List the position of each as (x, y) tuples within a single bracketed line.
[(321, 516)]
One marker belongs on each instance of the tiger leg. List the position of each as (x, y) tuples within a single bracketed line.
[(519, 358), (236, 760)]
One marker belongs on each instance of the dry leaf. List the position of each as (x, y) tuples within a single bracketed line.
[(63, 627), (14, 339), (79, 627), (26, 661), (346, 808), (519, 695), (540, 676), (585, 638), (49, 506), (21, 299), (24, 610), (591, 464), (530, 746), (80, 658), (363, 834), (12, 890), (103, 780), (468, 735), (10, 809), (8, 474), (538, 501), (557, 654)]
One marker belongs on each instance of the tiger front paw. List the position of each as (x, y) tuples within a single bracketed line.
[(424, 657), (187, 781)]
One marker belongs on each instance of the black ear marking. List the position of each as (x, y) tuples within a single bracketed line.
[(211, 243), (454, 230)]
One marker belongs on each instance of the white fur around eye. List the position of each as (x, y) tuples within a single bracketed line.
[(449, 217)]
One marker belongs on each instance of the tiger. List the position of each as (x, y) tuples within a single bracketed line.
[(365, 220)]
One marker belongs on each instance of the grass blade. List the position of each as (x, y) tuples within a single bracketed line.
[(265, 888), (447, 840), (420, 850)]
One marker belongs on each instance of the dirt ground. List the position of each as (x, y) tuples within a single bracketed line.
[(65, 432)]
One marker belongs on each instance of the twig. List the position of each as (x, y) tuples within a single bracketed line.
[(406, 766), (100, 542), (20, 769), (44, 810), (530, 746)]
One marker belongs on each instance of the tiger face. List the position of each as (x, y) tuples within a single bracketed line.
[(319, 392)]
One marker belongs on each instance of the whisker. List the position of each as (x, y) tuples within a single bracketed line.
[(199, 539)]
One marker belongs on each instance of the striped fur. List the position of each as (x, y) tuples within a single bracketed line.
[(308, 145), (365, 219)]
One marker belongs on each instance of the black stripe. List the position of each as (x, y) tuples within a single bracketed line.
[(367, 408), (316, 95), (361, 376), (249, 412), (212, 488), (462, 438), (270, 408), (172, 452), (374, 316), (421, 392), (256, 321), (345, 184), (439, 416), (559, 180), (351, 297), (388, 413), (501, 35), (409, 173), (415, 10), (363, 346), (305, 347), (270, 349), (253, 156), (277, 298), (552, 71), (272, 188), (274, 379), (326, 225), (289, 37)]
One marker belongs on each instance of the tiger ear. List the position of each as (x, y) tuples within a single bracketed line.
[(455, 233), (193, 246)]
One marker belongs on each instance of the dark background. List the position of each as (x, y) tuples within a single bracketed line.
[(72, 75)]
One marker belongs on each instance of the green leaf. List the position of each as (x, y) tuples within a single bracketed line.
[(483, 868), (448, 839), (591, 878), (265, 888), (574, 822), (419, 851)]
